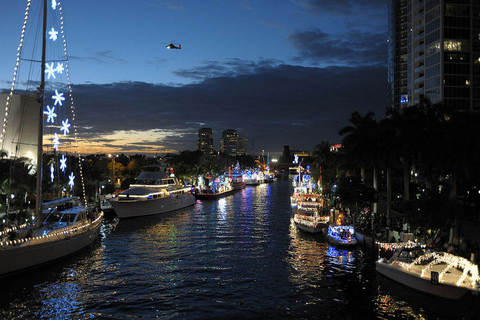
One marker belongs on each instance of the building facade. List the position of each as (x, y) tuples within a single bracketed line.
[(443, 52), (398, 52), (205, 141), (229, 142), (242, 146)]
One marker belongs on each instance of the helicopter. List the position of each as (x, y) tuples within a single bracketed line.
[(172, 46)]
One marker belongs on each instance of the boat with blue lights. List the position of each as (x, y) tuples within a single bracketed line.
[(211, 188), (310, 215), (342, 235), (156, 190)]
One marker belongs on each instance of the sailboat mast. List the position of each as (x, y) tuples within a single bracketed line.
[(38, 202)]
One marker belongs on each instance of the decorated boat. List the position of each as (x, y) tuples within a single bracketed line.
[(237, 177), (440, 274), (253, 177), (210, 187), (341, 235), (65, 224), (309, 215)]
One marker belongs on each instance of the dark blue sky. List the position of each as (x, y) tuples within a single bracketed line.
[(282, 72)]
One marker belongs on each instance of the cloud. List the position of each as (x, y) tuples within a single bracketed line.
[(104, 56), (228, 68), (271, 104), (350, 48)]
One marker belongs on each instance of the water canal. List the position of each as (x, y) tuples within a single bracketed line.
[(238, 257)]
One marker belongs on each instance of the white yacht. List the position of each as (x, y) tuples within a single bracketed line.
[(154, 192), (437, 273), (67, 227)]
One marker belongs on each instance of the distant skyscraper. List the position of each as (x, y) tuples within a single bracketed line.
[(443, 52), (205, 141), (229, 142), (242, 146)]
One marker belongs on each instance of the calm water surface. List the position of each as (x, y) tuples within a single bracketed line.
[(238, 257)]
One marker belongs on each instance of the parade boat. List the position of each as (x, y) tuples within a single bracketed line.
[(437, 273), (269, 177), (237, 178), (65, 225), (302, 184), (342, 235), (297, 192), (212, 188), (253, 178), (156, 190), (309, 215)]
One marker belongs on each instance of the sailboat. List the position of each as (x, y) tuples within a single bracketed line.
[(65, 224)]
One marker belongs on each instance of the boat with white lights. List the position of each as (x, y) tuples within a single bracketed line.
[(253, 177), (211, 188), (342, 235), (65, 225), (154, 191), (440, 274), (309, 215)]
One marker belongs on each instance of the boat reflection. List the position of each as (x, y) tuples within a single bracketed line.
[(340, 256)]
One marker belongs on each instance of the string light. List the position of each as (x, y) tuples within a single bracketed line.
[(72, 102), (15, 71), (60, 234)]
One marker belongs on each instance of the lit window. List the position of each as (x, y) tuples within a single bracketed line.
[(467, 82), (452, 45)]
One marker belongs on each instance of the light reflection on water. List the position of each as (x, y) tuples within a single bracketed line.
[(241, 256)]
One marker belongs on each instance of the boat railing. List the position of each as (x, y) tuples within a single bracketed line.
[(59, 234)]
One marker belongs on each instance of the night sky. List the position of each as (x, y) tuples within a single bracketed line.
[(281, 72)]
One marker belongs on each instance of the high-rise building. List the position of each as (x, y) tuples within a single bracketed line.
[(242, 146), (229, 142), (205, 141), (398, 51), (443, 52)]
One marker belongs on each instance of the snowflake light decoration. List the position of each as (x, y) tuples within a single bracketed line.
[(53, 34), (59, 69), (51, 115), (54, 4), (71, 179), (63, 163), (50, 70), (55, 141), (58, 97), (52, 170), (65, 127)]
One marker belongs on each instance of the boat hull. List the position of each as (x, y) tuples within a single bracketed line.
[(131, 209), (238, 185), (340, 243), (252, 183), (308, 228), (213, 196), (420, 284), (20, 258)]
